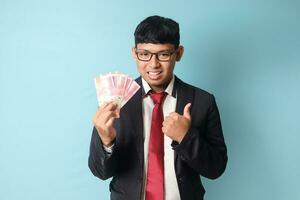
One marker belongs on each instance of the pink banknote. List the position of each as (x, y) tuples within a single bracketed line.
[(116, 87)]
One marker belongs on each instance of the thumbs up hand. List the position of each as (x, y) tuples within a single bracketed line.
[(176, 126)]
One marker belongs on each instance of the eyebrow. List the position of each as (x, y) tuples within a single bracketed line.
[(166, 50)]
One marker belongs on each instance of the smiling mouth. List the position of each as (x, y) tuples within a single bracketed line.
[(154, 75)]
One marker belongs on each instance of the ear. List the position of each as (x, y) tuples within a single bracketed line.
[(133, 53), (179, 52)]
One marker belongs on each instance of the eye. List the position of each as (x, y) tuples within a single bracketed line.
[(164, 55), (144, 54)]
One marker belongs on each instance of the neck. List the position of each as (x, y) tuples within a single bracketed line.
[(158, 89)]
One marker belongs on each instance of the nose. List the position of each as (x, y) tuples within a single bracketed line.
[(154, 62)]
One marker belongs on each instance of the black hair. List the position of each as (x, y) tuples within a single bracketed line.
[(157, 30)]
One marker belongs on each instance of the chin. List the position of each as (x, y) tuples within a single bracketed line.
[(155, 82), (162, 84)]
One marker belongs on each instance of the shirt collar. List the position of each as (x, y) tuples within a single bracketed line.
[(168, 90)]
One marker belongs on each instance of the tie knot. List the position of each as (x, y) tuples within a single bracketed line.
[(157, 98)]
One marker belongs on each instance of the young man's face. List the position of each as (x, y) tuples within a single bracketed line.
[(158, 71)]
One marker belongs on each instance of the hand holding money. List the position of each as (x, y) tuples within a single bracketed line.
[(103, 122), (113, 91)]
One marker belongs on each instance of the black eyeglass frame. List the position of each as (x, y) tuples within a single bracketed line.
[(156, 54)]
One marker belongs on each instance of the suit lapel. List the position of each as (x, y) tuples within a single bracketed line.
[(185, 95), (138, 112)]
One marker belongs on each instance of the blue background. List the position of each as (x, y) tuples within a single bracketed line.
[(247, 53)]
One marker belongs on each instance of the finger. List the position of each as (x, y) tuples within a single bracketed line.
[(106, 106), (169, 122), (165, 123), (117, 112), (186, 111), (103, 118), (164, 129), (111, 106), (103, 106), (96, 115), (110, 122), (98, 111), (174, 115), (167, 119)]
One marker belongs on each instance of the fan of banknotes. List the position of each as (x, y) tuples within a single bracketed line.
[(116, 87)]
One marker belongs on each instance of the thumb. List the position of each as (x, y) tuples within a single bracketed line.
[(186, 111)]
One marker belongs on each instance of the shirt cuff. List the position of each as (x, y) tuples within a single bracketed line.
[(109, 149)]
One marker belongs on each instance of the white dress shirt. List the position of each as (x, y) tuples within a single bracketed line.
[(169, 105)]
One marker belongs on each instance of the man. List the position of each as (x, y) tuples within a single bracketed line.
[(166, 135)]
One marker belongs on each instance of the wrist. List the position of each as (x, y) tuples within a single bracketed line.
[(107, 142)]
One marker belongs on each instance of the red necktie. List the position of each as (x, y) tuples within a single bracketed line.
[(155, 172)]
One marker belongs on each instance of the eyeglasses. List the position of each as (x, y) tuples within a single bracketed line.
[(163, 56)]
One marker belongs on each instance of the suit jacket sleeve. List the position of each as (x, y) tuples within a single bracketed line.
[(203, 147), (101, 163)]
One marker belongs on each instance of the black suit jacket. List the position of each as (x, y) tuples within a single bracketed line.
[(201, 152)]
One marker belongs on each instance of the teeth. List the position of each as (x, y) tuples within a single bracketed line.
[(154, 73)]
